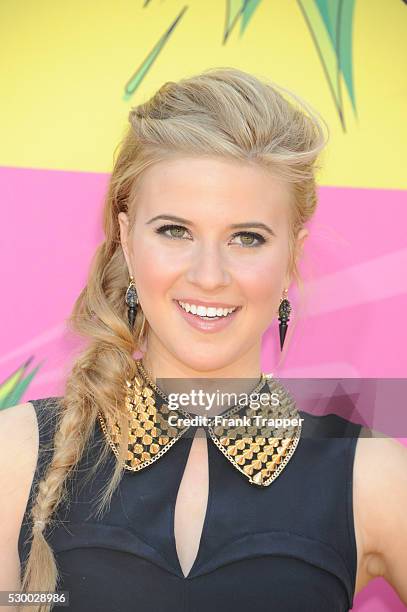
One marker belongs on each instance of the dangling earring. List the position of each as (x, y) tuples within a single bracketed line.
[(131, 301), (284, 316)]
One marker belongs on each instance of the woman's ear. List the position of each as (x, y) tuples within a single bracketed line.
[(298, 248), (124, 235), (301, 237)]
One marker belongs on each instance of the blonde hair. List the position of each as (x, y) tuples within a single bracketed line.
[(221, 112)]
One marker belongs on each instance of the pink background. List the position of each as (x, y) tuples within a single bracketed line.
[(350, 321)]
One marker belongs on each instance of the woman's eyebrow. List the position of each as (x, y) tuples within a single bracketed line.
[(256, 224)]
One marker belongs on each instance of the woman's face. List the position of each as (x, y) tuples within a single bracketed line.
[(214, 232)]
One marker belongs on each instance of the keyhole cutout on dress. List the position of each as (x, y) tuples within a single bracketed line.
[(191, 503)]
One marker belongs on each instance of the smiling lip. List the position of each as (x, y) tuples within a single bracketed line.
[(207, 325), (207, 304)]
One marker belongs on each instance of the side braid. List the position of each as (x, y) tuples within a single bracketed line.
[(68, 448)]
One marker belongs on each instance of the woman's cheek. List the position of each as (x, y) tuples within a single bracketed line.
[(262, 279)]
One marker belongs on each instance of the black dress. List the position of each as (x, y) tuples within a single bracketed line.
[(288, 547)]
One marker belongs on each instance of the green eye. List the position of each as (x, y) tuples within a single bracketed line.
[(250, 239), (176, 231), (247, 239)]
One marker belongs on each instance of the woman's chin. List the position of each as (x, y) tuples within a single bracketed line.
[(203, 360)]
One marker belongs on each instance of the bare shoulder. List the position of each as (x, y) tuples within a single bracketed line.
[(380, 498), (18, 413), (19, 442)]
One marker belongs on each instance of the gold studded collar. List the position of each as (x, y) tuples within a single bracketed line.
[(257, 438)]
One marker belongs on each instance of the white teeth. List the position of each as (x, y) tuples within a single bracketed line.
[(209, 312)]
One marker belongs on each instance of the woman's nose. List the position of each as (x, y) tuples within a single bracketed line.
[(208, 268)]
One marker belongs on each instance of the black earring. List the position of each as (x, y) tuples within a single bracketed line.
[(131, 301), (283, 317)]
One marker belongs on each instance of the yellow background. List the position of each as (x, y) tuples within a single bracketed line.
[(64, 66)]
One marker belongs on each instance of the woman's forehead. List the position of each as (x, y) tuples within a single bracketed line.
[(189, 186)]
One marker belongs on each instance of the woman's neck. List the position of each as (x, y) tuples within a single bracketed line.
[(163, 366), (175, 377)]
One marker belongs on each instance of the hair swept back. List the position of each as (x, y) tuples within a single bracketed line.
[(222, 112)]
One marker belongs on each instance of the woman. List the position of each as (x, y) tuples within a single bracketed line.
[(204, 222)]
